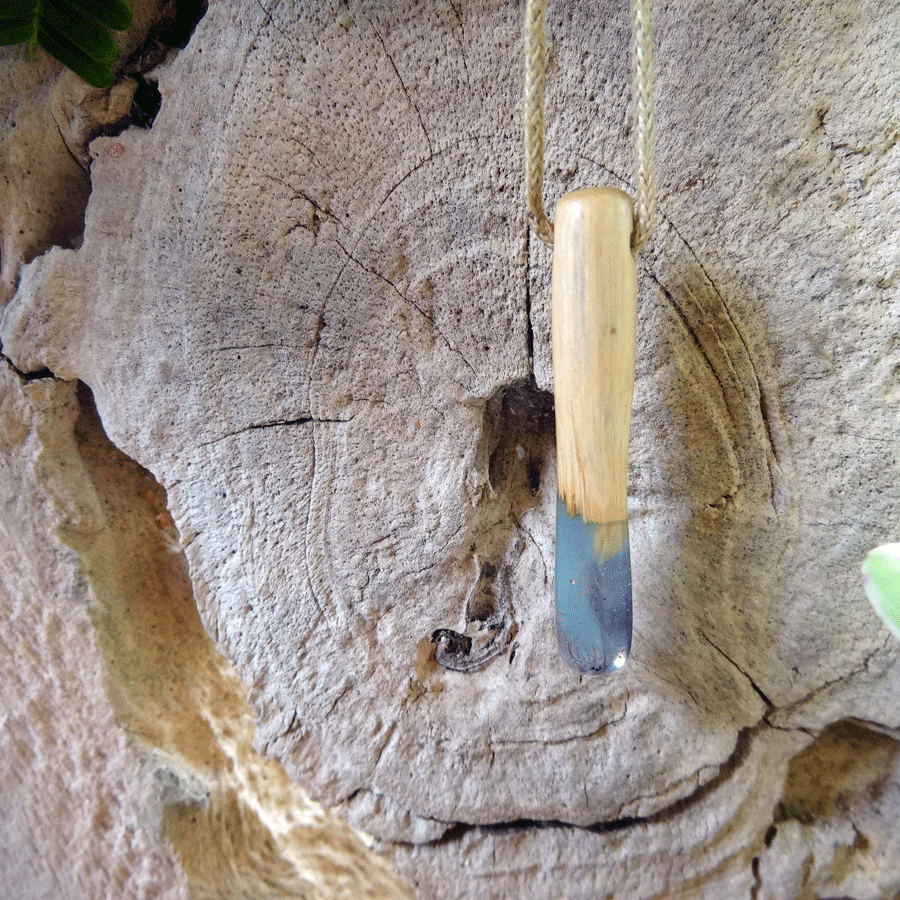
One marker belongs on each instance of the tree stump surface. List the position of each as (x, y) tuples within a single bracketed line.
[(307, 302)]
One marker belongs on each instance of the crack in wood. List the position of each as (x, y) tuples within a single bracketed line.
[(271, 21), (278, 423), (320, 319), (409, 301), (808, 698), (34, 375), (772, 455), (591, 736), (312, 155), (761, 405), (461, 40), (338, 699), (403, 87), (698, 345), (770, 706), (533, 540), (489, 605), (392, 728), (727, 769), (529, 334), (309, 543), (757, 879)]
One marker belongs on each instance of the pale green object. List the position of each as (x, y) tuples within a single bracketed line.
[(882, 582)]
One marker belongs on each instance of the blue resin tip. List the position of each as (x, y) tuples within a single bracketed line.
[(593, 593)]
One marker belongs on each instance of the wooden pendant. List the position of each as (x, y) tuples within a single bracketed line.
[(594, 336)]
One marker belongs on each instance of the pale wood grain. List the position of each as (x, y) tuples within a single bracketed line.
[(594, 330)]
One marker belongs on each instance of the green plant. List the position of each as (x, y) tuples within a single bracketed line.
[(73, 31), (882, 582)]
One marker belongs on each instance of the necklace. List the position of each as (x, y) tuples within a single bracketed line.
[(595, 239)]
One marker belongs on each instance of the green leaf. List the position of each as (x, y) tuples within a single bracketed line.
[(882, 582), (13, 19), (68, 23), (26, 8), (93, 72), (113, 13), (16, 19), (14, 34), (72, 31)]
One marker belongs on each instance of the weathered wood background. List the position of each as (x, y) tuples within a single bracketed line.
[(306, 301)]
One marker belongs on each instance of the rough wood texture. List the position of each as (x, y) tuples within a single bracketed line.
[(78, 807), (305, 301)]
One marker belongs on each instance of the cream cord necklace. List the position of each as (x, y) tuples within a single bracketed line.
[(594, 314)]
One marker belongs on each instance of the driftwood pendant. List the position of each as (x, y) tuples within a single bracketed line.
[(594, 333)]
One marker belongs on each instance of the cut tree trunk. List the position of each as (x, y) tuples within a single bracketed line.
[(307, 302)]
